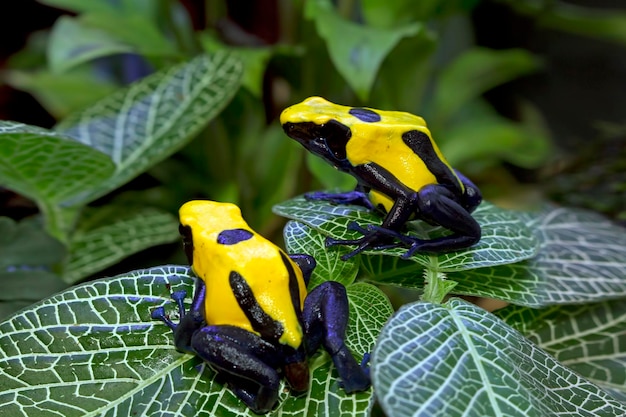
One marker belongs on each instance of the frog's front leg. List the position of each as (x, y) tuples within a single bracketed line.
[(325, 316), (357, 197), (245, 360), (189, 321)]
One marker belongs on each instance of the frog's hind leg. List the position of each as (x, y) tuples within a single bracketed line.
[(245, 360), (437, 206), (325, 316)]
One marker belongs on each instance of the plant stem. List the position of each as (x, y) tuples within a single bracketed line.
[(437, 286)]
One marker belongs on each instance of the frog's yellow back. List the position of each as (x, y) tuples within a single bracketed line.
[(223, 243), (378, 136)]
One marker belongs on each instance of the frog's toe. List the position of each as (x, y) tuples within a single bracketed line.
[(357, 383), (179, 295), (158, 314)]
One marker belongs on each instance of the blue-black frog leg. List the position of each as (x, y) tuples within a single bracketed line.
[(325, 317), (436, 204), (244, 360), (357, 197), (306, 263), (472, 196), (190, 321)]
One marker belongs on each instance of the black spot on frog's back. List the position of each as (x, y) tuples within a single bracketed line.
[(233, 236), (365, 115)]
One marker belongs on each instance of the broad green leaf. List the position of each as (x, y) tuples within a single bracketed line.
[(73, 42), (356, 51), (95, 6), (254, 60), (26, 244), (60, 94), (389, 14), (581, 259), (48, 166), (145, 123), (505, 237), (28, 259), (473, 73), (51, 169), (495, 137), (109, 234), (597, 22), (300, 238), (403, 84), (459, 360), (105, 356), (135, 30), (590, 339)]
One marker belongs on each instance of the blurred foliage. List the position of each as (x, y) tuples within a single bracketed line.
[(396, 55)]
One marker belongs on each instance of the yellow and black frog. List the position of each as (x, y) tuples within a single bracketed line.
[(251, 318), (399, 169)]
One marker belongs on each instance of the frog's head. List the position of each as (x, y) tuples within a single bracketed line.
[(316, 124), (207, 220)]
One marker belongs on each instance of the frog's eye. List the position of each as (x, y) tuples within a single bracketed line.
[(185, 232), (365, 115)]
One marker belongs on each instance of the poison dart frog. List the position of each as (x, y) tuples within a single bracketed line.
[(251, 318), (399, 169)]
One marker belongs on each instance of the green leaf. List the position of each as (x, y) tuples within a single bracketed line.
[(601, 23), (581, 259), (473, 73), (369, 311), (26, 244), (51, 169), (505, 237), (389, 14), (145, 123), (254, 60), (300, 238), (109, 234), (72, 43), (136, 30), (28, 259), (60, 94), (356, 51), (459, 360), (104, 355), (590, 339), (493, 136), (95, 6)]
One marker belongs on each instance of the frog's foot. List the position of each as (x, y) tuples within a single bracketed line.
[(432, 246), (352, 197), (159, 312), (374, 237), (245, 361), (187, 325)]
